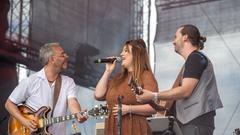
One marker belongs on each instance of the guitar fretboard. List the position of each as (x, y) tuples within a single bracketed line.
[(50, 121), (97, 111)]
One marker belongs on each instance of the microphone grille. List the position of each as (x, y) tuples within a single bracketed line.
[(118, 59)]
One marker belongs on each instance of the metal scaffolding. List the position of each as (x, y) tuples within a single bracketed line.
[(168, 4), (19, 21), (140, 23), (17, 36)]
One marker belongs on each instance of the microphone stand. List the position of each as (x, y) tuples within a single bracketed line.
[(170, 131), (119, 117)]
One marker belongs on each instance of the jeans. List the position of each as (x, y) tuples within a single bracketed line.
[(202, 125)]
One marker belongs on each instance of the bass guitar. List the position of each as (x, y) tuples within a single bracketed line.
[(15, 127)]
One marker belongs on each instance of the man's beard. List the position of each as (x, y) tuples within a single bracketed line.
[(64, 66), (176, 50), (179, 49)]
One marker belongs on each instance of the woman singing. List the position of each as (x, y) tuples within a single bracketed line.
[(135, 65)]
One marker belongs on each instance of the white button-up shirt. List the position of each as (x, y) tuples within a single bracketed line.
[(36, 92)]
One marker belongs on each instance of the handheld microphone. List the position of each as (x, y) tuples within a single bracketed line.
[(108, 60)]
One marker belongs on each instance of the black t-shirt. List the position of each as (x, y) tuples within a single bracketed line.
[(195, 65)]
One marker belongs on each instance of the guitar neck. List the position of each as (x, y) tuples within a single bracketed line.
[(53, 120), (95, 112), (156, 106)]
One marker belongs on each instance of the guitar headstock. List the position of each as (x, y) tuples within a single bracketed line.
[(100, 110), (135, 87)]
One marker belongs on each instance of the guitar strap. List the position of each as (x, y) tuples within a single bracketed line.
[(57, 89), (178, 79), (169, 104)]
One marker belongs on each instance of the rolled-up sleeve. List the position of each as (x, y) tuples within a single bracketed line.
[(72, 89), (20, 93)]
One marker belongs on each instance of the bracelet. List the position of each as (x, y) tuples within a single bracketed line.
[(130, 109), (155, 96)]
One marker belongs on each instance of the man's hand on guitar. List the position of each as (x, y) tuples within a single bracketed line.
[(81, 117), (30, 124), (146, 96)]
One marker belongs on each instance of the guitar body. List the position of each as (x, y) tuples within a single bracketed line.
[(15, 127), (166, 104)]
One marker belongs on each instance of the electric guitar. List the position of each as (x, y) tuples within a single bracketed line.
[(137, 89), (15, 127)]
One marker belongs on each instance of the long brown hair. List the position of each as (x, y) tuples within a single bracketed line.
[(140, 62)]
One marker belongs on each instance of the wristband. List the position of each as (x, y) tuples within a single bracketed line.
[(130, 109), (155, 96)]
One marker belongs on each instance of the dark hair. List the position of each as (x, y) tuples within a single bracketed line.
[(193, 35)]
